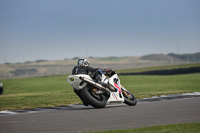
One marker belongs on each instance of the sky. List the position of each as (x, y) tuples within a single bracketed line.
[(57, 29)]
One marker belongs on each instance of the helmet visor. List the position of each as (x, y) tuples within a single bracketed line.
[(80, 62)]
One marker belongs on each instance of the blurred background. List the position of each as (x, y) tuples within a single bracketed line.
[(47, 37)]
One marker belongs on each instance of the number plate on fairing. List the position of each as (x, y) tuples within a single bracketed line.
[(115, 98)]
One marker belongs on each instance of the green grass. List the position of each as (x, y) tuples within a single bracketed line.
[(34, 100), (37, 92), (158, 68), (56, 83), (175, 128), (55, 90), (148, 86)]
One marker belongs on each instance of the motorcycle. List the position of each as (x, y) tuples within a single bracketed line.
[(98, 95)]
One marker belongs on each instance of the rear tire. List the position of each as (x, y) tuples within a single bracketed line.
[(97, 101), (129, 98)]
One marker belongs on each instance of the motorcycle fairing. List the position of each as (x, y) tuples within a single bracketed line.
[(76, 82), (118, 88), (115, 98)]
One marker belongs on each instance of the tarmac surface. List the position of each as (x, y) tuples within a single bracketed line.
[(79, 118)]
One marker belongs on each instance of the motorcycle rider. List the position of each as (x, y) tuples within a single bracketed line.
[(83, 68), (1, 88)]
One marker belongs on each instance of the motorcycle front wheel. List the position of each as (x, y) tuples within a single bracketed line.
[(95, 100), (129, 98)]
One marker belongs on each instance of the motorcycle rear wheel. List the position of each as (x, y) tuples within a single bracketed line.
[(97, 101), (129, 98)]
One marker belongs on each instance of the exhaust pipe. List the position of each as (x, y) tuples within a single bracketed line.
[(92, 83)]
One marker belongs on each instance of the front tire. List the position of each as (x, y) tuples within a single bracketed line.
[(129, 98), (97, 101)]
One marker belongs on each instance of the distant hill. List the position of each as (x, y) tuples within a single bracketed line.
[(173, 57), (158, 57), (46, 67), (187, 57)]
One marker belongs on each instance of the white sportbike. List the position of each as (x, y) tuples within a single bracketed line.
[(99, 96)]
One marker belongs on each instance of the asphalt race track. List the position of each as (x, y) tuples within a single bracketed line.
[(85, 119)]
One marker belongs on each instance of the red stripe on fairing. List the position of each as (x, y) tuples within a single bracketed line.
[(117, 87)]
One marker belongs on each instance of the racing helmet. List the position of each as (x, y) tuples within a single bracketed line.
[(1, 84), (83, 62)]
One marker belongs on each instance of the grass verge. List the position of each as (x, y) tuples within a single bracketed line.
[(174, 128), (170, 67), (148, 86), (55, 90)]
